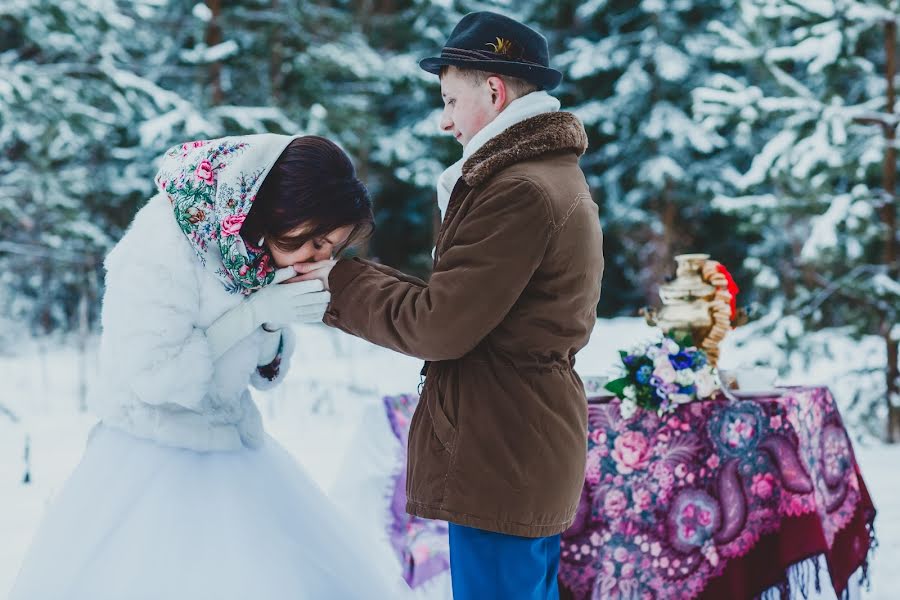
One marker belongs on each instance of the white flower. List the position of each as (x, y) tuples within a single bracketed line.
[(707, 382), (665, 371), (638, 349), (627, 408), (679, 398), (630, 392), (684, 377), (655, 353), (671, 346), (709, 551)]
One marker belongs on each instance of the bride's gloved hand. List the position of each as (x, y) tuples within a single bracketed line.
[(270, 345), (277, 303)]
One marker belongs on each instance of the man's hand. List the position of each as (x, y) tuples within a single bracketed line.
[(313, 271)]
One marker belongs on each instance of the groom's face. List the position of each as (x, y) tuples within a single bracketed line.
[(468, 105)]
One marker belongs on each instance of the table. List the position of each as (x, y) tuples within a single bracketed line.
[(718, 500)]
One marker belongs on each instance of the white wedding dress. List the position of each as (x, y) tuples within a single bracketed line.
[(142, 521)]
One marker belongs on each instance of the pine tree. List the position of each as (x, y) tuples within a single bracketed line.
[(91, 94), (811, 116), (68, 169), (629, 67)]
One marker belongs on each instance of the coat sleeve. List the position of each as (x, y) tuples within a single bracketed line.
[(150, 340), (265, 377), (477, 279), (396, 274)]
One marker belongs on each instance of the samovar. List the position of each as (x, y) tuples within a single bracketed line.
[(687, 301)]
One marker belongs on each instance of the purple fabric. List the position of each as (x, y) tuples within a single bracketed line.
[(421, 544), (667, 503)]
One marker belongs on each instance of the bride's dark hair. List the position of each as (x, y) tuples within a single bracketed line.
[(312, 183)]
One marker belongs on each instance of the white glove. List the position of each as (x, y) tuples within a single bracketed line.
[(301, 302), (280, 275)]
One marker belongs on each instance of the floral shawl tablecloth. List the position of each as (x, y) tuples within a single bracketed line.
[(717, 500)]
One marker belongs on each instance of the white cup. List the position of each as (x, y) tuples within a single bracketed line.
[(755, 379)]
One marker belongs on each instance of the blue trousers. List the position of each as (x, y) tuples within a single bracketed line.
[(492, 566)]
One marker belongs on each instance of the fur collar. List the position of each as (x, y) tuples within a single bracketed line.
[(548, 132)]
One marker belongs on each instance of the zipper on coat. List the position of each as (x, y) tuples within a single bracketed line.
[(422, 375)]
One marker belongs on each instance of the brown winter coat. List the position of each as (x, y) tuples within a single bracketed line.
[(499, 438)]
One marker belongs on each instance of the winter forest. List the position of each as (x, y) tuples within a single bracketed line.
[(761, 132)]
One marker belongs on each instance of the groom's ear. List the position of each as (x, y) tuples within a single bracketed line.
[(498, 91)]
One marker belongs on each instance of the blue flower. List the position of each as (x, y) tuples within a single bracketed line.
[(643, 374), (682, 360), (698, 360)]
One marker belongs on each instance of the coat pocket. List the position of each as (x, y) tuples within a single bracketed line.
[(432, 444), (443, 429)]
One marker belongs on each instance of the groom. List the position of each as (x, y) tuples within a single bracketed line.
[(497, 444)]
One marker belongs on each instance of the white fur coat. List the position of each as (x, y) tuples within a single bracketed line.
[(157, 380)]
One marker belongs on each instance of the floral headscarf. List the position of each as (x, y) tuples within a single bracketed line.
[(212, 185)]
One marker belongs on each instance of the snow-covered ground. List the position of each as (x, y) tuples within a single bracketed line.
[(331, 402)]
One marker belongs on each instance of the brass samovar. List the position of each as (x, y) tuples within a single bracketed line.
[(688, 303)]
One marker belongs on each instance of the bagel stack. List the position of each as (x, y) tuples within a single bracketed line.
[(720, 310)]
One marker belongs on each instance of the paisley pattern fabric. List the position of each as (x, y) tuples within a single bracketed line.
[(668, 502)]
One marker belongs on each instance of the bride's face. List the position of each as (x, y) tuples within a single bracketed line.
[(313, 250)]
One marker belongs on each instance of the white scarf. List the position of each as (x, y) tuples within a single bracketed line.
[(530, 105)]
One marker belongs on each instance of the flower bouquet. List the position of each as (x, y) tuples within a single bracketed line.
[(662, 374)]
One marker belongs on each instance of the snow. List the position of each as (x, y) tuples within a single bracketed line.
[(596, 112), (727, 204), (202, 12), (659, 170), (587, 9), (885, 285), (671, 63), (351, 54), (823, 8), (666, 118), (823, 50), (762, 162), (586, 58), (814, 151), (730, 35), (331, 400), (870, 13), (254, 118), (633, 81), (824, 228), (202, 53)]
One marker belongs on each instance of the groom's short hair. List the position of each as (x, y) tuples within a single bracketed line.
[(514, 85)]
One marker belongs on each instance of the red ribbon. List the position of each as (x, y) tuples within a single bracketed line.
[(732, 289)]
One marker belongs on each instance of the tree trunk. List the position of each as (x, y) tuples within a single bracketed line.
[(661, 261), (893, 378), (213, 38), (276, 79), (889, 218), (364, 249)]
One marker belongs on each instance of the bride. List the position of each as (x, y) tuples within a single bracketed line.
[(180, 494)]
